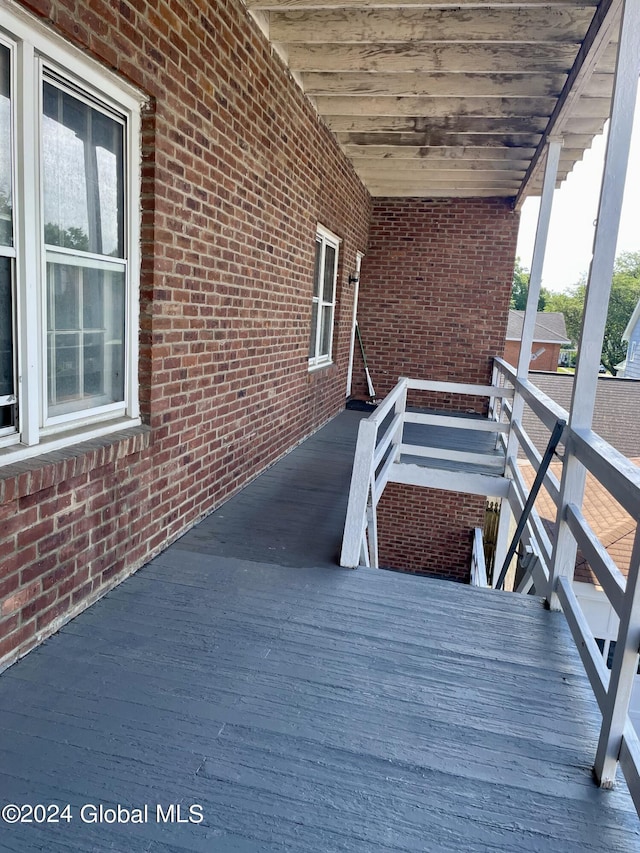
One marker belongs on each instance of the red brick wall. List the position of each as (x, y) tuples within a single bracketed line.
[(434, 299), (547, 360), (435, 289), (237, 172), (428, 531)]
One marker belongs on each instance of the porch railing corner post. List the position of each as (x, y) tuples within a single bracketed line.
[(621, 680), (359, 489)]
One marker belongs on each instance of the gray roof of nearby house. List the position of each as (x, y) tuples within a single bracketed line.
[(615, 416), (550, 327)]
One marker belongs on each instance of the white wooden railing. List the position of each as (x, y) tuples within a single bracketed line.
[(478, 565), (378, 461), (621, 479), (380, 450)]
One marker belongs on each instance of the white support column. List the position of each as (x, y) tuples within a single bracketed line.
[(599, 284), (554, 147), (535, 280)]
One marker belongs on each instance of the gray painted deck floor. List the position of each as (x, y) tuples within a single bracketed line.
[(305, 707)]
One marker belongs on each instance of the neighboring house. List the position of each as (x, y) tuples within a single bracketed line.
[(630, 367), (549, 335)]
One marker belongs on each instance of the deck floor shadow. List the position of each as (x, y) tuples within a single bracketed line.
[(308, 709)]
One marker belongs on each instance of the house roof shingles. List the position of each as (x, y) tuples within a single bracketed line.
[(616, 411), (550, 327)]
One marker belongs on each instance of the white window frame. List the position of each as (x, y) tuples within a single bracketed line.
[(36, 50), (325, 238)]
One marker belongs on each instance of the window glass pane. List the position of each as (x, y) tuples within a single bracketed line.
[(63, 370), (5, 148), (6, 329), (326, 330), (329, 273), (85, 323), (314, 327), (7, 386), (82, 166), (316, 274), (64, 298)]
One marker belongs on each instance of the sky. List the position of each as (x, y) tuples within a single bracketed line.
[(575, 207)]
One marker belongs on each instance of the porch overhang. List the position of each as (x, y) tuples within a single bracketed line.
[(432, 99)]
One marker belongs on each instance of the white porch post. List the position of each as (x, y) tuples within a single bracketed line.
[(554, 146), (599, 285), (625, 660)]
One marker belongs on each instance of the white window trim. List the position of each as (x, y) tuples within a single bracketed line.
[(34, 46), (328, 238)]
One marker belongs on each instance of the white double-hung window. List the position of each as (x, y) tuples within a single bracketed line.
[(69, 244), (324, 297)]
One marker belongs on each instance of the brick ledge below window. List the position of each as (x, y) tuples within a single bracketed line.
[(49, 465), (327, 368)]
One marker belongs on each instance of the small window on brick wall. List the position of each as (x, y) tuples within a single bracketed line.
[(324, 298), (69, 238)]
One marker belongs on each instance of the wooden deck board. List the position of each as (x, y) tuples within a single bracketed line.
[(307, 707)]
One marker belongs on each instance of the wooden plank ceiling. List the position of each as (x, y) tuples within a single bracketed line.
[(440, 99)]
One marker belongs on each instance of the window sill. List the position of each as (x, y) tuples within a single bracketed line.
[(314, 368), (81, 439)]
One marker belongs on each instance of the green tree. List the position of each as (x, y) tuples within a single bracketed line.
[(570, 303), (70, 238), (520, 289), (625, 293)]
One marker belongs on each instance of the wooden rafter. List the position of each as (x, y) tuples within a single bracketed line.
[(471, 85)]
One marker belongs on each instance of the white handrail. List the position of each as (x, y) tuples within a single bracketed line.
[(478, 564), (621, 479), (378, 455), (378, 452)]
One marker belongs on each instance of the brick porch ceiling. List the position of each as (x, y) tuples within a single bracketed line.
[(440, 99)]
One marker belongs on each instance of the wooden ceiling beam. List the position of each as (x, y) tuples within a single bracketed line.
[(447, 140), (435, 85), (453, 179), (438, 156), (429, 125), (454, 124), (453, 167), (391, 191), (591, 108), (440, 167), (427, 56), (602, 30), (345, 25), (309, 5), (434, 107)]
